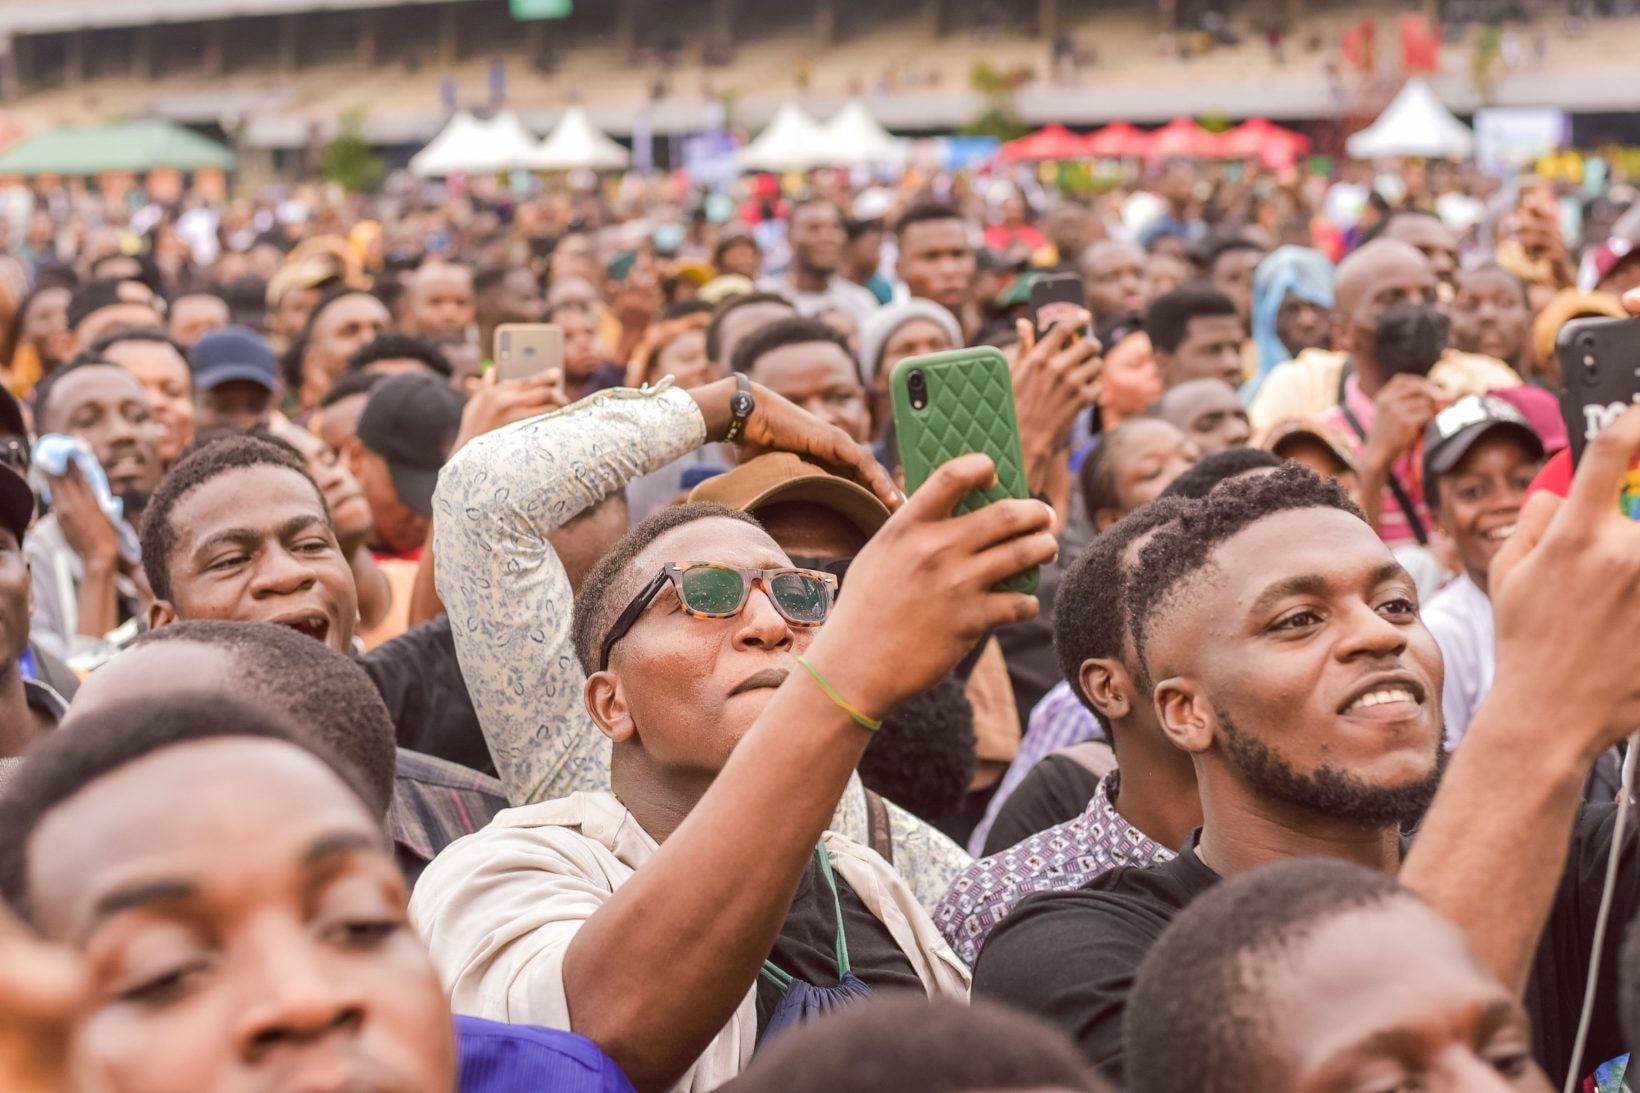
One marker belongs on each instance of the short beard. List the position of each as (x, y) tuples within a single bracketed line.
[(136, 503), (1328, 791)]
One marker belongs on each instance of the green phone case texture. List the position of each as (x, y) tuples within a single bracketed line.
[(970, 409)]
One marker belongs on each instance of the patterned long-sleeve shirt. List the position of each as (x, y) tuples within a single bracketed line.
[(1058, 722), (1056, 860), (511, 604)]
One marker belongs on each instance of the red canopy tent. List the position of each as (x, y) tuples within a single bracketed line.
[(1261, 139), (1183, 137), (1049, 143), (1118, 140)]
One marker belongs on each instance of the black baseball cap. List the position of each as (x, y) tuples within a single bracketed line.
[(16, 502), (1456, 429), (410, 422)]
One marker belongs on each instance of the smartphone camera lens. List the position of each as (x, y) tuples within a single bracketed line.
[(916, 385)]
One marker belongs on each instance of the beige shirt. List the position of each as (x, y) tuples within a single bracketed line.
[(1308, 385), (499, 909)]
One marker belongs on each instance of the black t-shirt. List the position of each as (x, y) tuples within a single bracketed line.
[(420, 679), (1072, 956), (1057, 789), (807, 946)]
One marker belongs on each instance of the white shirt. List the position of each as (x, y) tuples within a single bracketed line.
[(1460, 617)]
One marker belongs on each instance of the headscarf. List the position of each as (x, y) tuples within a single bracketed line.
[(1303, 271), (883, 322)]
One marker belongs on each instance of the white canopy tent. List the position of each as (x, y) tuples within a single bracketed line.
[(855, 138), (792, 141), (575, 144), (1414, 124), (472, 145)]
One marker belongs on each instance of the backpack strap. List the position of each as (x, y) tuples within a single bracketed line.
[(879, 833)]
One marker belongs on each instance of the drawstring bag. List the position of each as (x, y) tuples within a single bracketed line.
[(800, 1001)]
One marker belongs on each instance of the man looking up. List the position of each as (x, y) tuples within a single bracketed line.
[(1113, 275), (937, 260), (813, 283), (344, 321), (1208, 412), (1196, 335), (804, 360), (403, 438), (1248, 976), (1434, 240), (1291, 664), (505, 295), (1230, 264), (739, 316), (438, 301)]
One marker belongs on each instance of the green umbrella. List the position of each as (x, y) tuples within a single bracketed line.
[(119, 146)]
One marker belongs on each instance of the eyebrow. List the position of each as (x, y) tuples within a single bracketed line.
[(240, 536), (339, 844), (1488, 1018), (135, 897), (1312, 584)]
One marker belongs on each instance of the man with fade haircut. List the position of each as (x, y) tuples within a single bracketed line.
[(739, 316), (1229, 264), (1243, 992), (809, 363), (397, 354), (1290, 662), (937, 259), (217, 888), (1196, 334), (814, 282), (1131, 820), (100, 307)]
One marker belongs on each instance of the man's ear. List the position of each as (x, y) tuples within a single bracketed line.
[(607, 703), (1108, 687), (1187, 717), (161, 613), (1343, 333)]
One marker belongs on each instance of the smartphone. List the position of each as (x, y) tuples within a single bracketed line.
[(523, 350), (1057, 296), (950, 404), (1600, 378)]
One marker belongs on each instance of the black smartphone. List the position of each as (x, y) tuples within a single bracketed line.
[(1057, 296), (1599, 375)]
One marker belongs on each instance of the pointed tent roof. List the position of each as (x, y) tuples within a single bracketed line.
[(1051, 142), (1183, 137), (792, 141), (121, 146), (855, 138), (575, 144), (476, 146), (1117, 140), (1262, 139), (1416, 123)]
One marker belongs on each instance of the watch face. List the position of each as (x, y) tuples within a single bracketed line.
[(741, 405)]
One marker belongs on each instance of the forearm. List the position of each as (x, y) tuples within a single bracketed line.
[(726, 878), (1374, 480), (1518, 855), (375, 594), (98, 601)]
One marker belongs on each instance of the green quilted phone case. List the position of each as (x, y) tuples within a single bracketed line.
[(968, 406)]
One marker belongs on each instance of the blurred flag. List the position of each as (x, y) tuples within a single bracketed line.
[(1420, 45)]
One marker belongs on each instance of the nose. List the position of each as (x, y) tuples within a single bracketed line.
[(1237, 430), (1368, 634), (298, 1001), (760, 626), (281, 573)]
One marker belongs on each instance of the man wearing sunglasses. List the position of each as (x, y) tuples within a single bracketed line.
[(644, 918), (510, 600)]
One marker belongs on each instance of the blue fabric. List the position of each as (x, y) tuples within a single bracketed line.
[(498, 1058), (1303, 271), (53, 452)]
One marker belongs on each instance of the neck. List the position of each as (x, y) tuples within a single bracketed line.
[(658, 800), (19, 725), (1242, 832), (807, 279), (1157, 793), (1479, 577), (1368, 375)]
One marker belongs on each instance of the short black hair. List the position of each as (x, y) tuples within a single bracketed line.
[(680, 309), (325, 694), (609, 587), (895, 1042), (104, 741), (925, 212), (224, 454), (1214, 249), (152, 334), (1493, 267), (299, 346), (1199, 481), (349, 384), (490, 277), (784, 332), (1090, 616), (923, 757), (714, 332), (1377, 231), (390, 346), (1168, 317), (1097, 475), (92, 297), (1199, 983), (43, 390), (1184, 549)]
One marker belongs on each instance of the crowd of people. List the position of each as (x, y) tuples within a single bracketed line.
[(371, 721)]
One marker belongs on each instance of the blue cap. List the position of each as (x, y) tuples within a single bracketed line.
[(234, 353)]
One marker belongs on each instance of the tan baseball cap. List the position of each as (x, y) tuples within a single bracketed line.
[(780, 477)]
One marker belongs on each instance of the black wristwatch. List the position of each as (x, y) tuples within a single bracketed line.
[(741, 405)]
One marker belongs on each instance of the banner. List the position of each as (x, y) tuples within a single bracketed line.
[(1509, 138)]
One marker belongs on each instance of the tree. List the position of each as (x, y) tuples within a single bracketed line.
[(349, 161)]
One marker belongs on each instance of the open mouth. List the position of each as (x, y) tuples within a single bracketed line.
[(1392, 694), (1498, 534), (767, 678), (313, 624)]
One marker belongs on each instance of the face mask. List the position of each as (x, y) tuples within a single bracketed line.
[(1410, 339)]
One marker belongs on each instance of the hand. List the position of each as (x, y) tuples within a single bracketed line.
[(920, 593), (499, 403), (778, 425), (1406, 405), (41, 989), (1054, 381), (89, 531), (1564, 589)]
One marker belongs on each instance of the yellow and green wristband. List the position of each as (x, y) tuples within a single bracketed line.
[(843, 704)]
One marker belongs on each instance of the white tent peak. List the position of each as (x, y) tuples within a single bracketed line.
[(1415, 123), (792, 141), (854, 137), (575, 144), (476, 146)]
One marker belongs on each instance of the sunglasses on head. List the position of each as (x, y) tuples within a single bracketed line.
[(707, 590)]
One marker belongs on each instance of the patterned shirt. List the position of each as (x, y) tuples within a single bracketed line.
[(511, 604), (1056, 860), (1057, 722), (436, 802)]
